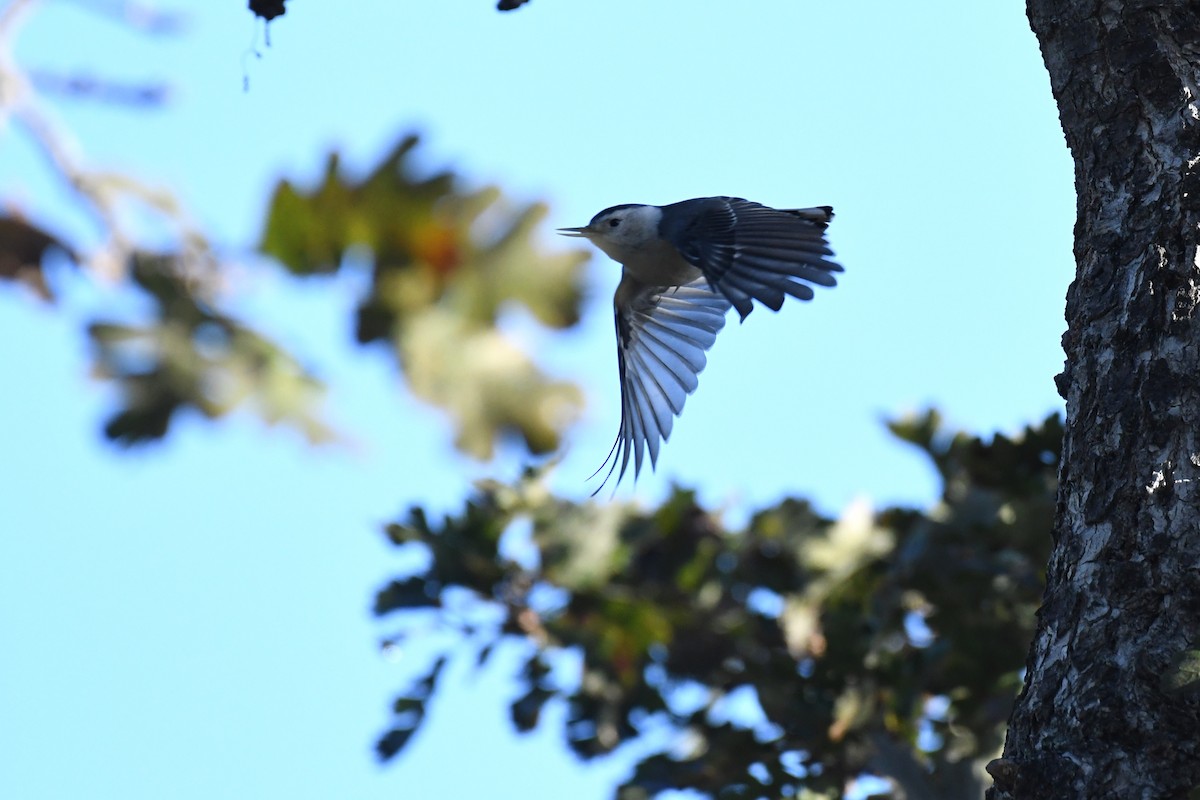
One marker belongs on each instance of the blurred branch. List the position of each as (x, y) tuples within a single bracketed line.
[(11, 16), (99, 193), (142, 16), (446, 264), (89, 87), (17, 103), (108, 262), (187, 353)]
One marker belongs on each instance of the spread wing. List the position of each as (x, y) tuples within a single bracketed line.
[(748, 251), (662, 335)]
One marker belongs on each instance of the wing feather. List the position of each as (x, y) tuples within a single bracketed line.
[(749, 252), (662, 336)]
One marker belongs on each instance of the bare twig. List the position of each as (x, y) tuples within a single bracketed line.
[(11, 17), (89, 87), (101, 194)]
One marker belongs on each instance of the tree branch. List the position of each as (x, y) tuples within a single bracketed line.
[(99, 193)]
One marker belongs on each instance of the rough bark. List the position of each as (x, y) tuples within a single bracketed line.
[(1102, 714)]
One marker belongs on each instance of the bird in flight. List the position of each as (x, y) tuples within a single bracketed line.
[(683, 266)]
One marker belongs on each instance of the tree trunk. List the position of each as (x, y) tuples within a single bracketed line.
[(1106, 711)]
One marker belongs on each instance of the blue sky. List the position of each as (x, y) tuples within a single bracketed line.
[(190, 620)]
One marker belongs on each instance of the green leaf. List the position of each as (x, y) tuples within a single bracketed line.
[(403, 595), (193, 356), (409, 712), (445, 263), (486, 383)]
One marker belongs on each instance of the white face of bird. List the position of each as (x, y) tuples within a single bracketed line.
[(620, 231)]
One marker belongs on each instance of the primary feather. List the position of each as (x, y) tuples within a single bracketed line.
[(662, 336), (751, 252)]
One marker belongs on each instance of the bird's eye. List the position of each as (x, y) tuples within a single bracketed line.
[(612, 223)]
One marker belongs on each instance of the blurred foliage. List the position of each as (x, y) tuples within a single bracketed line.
[(179, 351), (445, 265), (23, 245), (188, 355), (788, 657), (449, 270), (193, 356)]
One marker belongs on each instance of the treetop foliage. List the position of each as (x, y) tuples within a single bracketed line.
[(446, 264), (887, 642)]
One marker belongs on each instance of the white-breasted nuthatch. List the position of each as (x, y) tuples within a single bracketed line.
[(684, 265)]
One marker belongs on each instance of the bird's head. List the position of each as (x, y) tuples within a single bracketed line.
[(621, 230)]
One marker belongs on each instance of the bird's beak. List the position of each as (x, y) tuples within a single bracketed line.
[(576, 232)]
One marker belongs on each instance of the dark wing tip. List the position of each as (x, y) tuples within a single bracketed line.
[(818, 215)]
